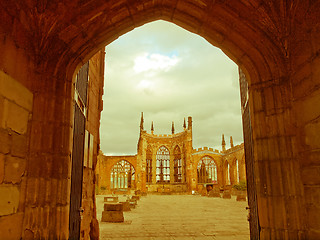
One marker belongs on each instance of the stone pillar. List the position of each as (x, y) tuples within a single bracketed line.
[(192, 175), (220, 172), (49, 168), (306, 94), (154, 165), (172, 164), (277, 175)]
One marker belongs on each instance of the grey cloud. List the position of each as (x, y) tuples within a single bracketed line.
[(204, 85)]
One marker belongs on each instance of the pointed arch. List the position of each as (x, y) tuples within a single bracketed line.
[(227, 173), (177, 165), (122, 175), (149, 165), (237, 172), (163, 165), (207, 170)]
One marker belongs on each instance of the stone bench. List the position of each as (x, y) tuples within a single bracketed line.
[(135, 197), (214, 193), (126, 206), (132, 202), (241, 197), (113, 212), (226, 194), (111, 199)]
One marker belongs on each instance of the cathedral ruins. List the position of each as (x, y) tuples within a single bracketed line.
[(169, 164), (51, 83)]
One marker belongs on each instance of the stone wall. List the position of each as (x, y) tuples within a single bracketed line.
[(104, 167), (92, 141), (16, 104), (306, 94), (151, 142)]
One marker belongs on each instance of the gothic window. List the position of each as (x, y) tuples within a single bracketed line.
[(149, 166), (122, 175), (228, 181), (163, 165), (177, 165), (207, 170), (237, 171)]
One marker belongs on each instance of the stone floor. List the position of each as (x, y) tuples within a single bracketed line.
[(182, 217)]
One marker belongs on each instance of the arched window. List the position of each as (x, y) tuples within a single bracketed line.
[(122, 175), (149, 165), (177, 165), (237, 171), (163, 165), (207, 170), (227, 169)]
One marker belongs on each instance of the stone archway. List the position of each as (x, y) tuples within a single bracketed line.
[(122, 176), (276, 43)]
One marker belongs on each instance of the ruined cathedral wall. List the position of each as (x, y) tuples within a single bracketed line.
[(217, 158), (154, 142), (104, 168), (231, 156)]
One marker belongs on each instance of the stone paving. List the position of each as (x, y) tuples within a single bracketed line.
[(179, 217)]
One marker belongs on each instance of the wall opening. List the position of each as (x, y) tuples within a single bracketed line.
[(166, 83)]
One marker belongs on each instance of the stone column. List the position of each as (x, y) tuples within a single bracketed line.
[(49, 167), (172, 164), (278, 182), (154, 165)]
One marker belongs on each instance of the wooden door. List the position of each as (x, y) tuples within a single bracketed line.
[(248, 147), (78, 152)]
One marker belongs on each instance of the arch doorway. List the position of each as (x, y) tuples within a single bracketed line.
[(207, 170), (122, 175)]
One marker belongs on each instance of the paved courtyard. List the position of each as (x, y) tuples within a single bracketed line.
[(182, 217)]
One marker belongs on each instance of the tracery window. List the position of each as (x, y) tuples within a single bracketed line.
[(149, 166), (207, 170), (177, 165), (122, 175), (163, 165)]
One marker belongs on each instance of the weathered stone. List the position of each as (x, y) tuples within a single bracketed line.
[(133, 204), (14, 169), (112, 216), (19, 145), (241, 197), (9, 199), (113, 207), (213, 193), (126, 206), (5, 141), (2, 160), (11, 226), (15, 91), (111, 199), (15, 117), (135, 198), (226, 194)]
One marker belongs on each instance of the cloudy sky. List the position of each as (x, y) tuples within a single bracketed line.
[(169, 74)]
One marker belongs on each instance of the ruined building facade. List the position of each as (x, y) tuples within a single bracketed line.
[(170, 164), (43, 45)]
